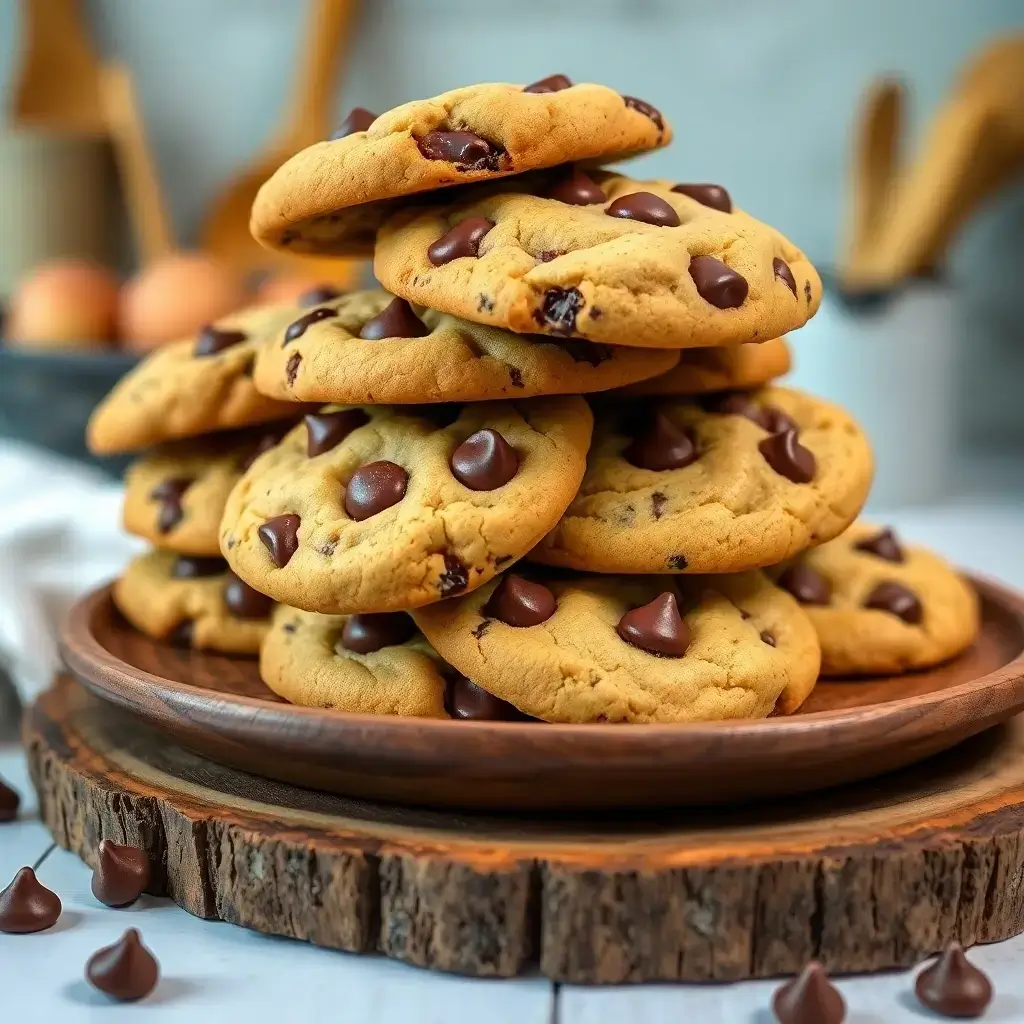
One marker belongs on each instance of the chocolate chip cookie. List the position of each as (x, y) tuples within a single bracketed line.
[(731, 482), (373, 347), (192, 387), (879, 607), (700, 370), (331, 197), (175, 495), (585, 648), (600, 256), (383, 508), (192, 602)]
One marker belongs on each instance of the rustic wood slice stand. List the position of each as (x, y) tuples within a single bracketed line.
[(870, 876)]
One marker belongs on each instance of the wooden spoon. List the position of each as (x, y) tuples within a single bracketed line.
[(226, 230), (57, 84)]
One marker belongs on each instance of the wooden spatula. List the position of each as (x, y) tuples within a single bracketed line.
[(226, 230)]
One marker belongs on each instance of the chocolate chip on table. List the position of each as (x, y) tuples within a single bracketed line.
[(559, 309), (896, 599), (326, 430), (318, 294), (952, 986), (807, 585), (883, 545), (718, 284), (455, 577), (646, 109), (26, 905), (9, 803), (784, 274), (291, 369), (577, 188), (656, 627), (662, 446), (358, 119), (645, 207), (713, 196), (297, 328), (468, 151), (195, 568), (485, 461), (397, 320), (243, 601), (170, 493), (211, 341), (809, 998), (788, 457), (182, 634), (280, 536), (121, 874), (461, 240), (553, 83), (466, 701), (519, 602), (367, 633), (373, 488), (125, 971)]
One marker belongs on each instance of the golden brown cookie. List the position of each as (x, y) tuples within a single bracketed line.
[(732, 482), (879, 607), (586, 648), (600, 256), (331, 197)]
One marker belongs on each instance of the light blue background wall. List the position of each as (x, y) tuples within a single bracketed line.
[(761, 94)]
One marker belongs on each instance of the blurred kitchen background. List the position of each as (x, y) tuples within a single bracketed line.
[(763, 96)]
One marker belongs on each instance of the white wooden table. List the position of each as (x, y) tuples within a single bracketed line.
[(214, 971)]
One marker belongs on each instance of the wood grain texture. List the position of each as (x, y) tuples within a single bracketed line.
[(847, 731), (867, 877)]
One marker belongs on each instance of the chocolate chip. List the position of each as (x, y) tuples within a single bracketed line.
[(461, 240), (125, 971), (9, 803), (767, 638), (718, 284), (318, 294), (291, 369), (243, 601), (784, 274), (270, 438), (121, 874), (397, 320), (708, 195), (485, 461), (547, 255), (952, 986), (807, 292), (26, 905), (357, 120), (182, 634), (658, 502), (775, 421), (466, 701), (656, 627), (468, 151), (677, 562), (882, 545), (170, 493), (515, 375), (211, 341), (646, 207), (326, 430), (807, 585), (367, 633), (646, 109), (553, 83), (809, 997), (662, 446), (577, 188), (736, 403), (788, 457), (374, 488), (518, 602), (186, 568), (896, 599), (280, 536), (454, 578), (559, 309), (297, 328)]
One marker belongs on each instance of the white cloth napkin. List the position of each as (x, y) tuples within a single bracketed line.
[(60, 534)]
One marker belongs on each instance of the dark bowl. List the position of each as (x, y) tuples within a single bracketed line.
[(46, 398)]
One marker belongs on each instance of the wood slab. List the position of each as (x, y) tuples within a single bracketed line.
[(847, 731), (868, 877)]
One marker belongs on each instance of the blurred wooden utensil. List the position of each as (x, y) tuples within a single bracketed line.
[(226, 230)]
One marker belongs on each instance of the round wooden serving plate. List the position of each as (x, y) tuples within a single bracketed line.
[(864, 877), (218, 707)]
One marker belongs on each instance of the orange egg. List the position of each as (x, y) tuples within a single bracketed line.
[(295, 289), (175, 297), (65, 303)]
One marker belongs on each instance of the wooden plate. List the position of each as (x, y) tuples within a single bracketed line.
[(847, 731)]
